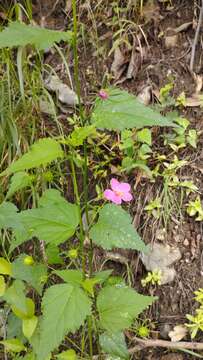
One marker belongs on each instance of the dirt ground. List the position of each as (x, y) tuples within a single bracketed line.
[(162, 53)]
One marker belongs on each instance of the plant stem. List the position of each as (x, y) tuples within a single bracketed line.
[(77, 197)]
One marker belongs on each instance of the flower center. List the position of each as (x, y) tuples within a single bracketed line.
[(119, 193)]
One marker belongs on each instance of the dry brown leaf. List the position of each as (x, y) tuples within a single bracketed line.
[(183, 27), (134, 65), (145, 95), (178, 333), (199, 83), (171, 41), (151, 11), (194, 100), (119, 61)]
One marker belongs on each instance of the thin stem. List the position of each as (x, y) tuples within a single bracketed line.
[(77, 198)]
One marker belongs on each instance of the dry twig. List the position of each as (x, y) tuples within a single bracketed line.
[(196, 38)]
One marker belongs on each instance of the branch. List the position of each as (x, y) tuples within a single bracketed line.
[(164, 343), (196, 38)]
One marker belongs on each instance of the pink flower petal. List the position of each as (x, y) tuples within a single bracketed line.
[(115, 184), (124, 187), (110, 195), (127, 196), (103, 94)]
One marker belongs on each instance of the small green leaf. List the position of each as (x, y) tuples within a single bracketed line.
[(29, 326), (42, 152), (119, 306), (34, 275), (7, 215), (20, 34), (28, 313), (79, 135), (102, 276), (73, 277), (123, 111), (114, 344), (53, 254), (19, 181), (192, 138), (64, 307), (67, 355), (88, 285), (13, 345), (5, 267), (15, 296), (2, 286), (144, 136), (114, 229)]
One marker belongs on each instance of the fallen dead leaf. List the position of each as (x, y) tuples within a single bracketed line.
[(118, 65), (64, 93), (134, 65), (194, 100), (145, 95), (199, 83), (178, 333), (171, 41)]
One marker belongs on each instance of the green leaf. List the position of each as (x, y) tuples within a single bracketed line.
[(34, 275), (19, 34), (53, 254), (192, 138), (53, 223), (42, 152), (114, 229), (51, 197), (28, 313), (102, 276), (65, 308), (123, 111), (19, 181), (29, 326), (79, 135), (2, 286), (73, 277), (15, 296), (144, 136), (5, 267), (67, 355), (7, 215), (119, 306), (14, 327), (114, 344), (13, 345)]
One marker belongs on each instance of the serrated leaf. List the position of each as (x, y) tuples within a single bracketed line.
[(79, 135), (2, 286), (34, 275), (42, 152), (114, 344), (15, 296), (123, 111), (114, 229), (5, 267), (29, 326), (19, 181), (144, 136), (19, 34), (119, 306), (73, 277), (54, 223), (65, 308), (13, 345)]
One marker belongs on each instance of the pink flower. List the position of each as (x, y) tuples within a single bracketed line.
[(103, 94), (119, 192)]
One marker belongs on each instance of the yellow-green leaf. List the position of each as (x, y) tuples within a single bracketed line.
[(30, 310), (29, 326), (2, 286), (67, 355), (5, 267), (13, 345)]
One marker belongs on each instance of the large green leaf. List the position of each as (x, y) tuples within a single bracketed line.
[(34, 275), (56, 221), (65, 308), (19, 34), (42, 152), (118, 306), (73, 277), (114, 344), (114, 229), (123, 111)]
